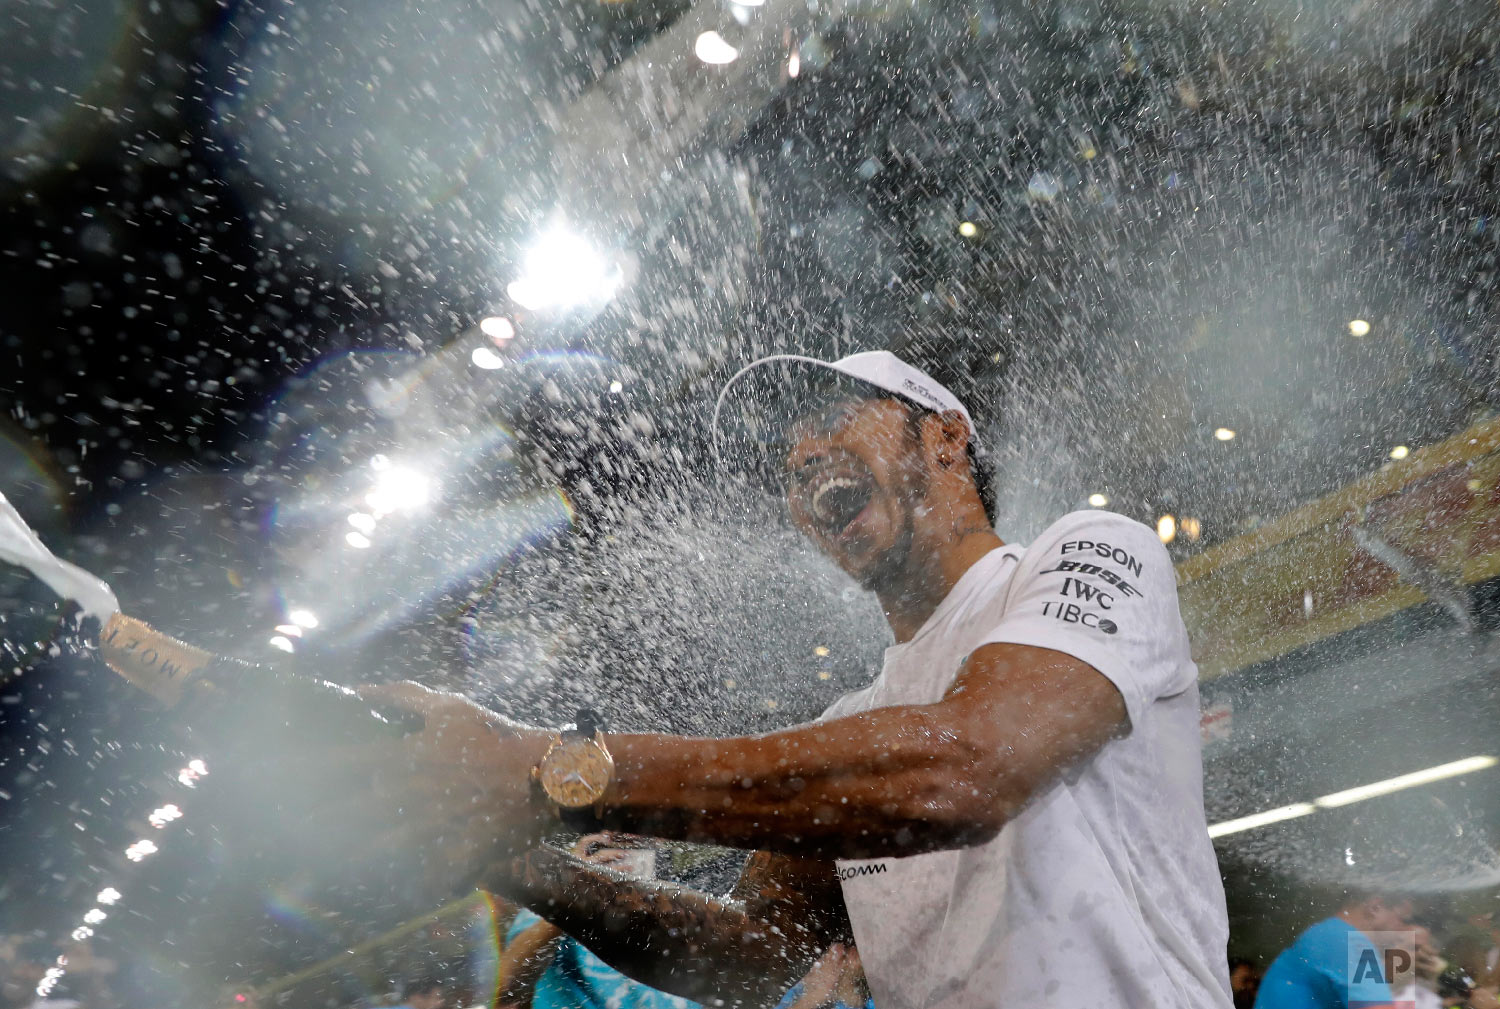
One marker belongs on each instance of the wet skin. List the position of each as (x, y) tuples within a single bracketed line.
[(854, 480)]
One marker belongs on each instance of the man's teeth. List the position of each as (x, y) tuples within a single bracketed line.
[(832, 484)]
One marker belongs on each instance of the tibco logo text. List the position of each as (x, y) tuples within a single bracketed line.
[(1072, 613)]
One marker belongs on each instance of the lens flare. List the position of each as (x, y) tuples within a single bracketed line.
[(562, 270), (497, 328), (713, 50), (486, 359)]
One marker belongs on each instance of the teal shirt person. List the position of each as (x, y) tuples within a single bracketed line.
[(1332, 965), (577, 979), (791, 997)]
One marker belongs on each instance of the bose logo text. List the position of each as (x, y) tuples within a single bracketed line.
[(1085, 568)]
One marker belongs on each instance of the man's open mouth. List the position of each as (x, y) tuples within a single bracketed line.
[(838, 500)]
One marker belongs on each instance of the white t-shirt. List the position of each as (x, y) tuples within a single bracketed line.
[(1104, 891), (1417, 995)]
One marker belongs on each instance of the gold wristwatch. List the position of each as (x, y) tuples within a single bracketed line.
[(577, 770)]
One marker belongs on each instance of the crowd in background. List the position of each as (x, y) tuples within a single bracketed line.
[(1456, 963), (1384, 948)]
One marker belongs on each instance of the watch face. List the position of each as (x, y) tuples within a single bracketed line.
[(576, 773)]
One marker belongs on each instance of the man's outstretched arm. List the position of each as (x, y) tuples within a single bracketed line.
[(893, 781), (744, 950)]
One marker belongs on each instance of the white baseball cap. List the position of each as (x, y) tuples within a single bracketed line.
[(759, 404)]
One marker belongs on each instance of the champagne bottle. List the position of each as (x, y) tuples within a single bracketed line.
[(210, 688), (295, 807), (214, 687)]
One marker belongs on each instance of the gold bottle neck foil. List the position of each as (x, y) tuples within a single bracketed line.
[(156, 663)]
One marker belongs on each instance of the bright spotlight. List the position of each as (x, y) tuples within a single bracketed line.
[(711, 48), (794, 64), (1270, 816), (363, 521), (1191, 528), (94, 916), (968, 229), (397, 488), (1396, 784), (497, 328), (303, 618), (283, 643), (108, 895), (1224, 433), (1358, 327), (1166, 528), (140, 850), (1400, 452), (486, 358), (355, 539), (562, 270), (159, 818), (53, 974), (1098, 500), (290, 630), (1334, 800), (617, 386)]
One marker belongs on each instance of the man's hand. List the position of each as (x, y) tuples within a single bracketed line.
[(837, 979), (1482, 998), (821, 983), (460, 789), (1430, 962)]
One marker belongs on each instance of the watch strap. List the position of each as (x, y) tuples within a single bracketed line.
[(584, 819), (587, 722)]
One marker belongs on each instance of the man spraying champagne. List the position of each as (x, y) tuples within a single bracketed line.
[(1011, 814), (279, 726)]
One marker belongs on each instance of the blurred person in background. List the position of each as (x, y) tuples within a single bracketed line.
[(836, 981), (1244, 980), (1485, 920), (541, 968), (1470, 978), (1417, 987), (1313, 972)]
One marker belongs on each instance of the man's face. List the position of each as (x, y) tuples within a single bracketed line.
[(855, 478), (1392, 915)]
